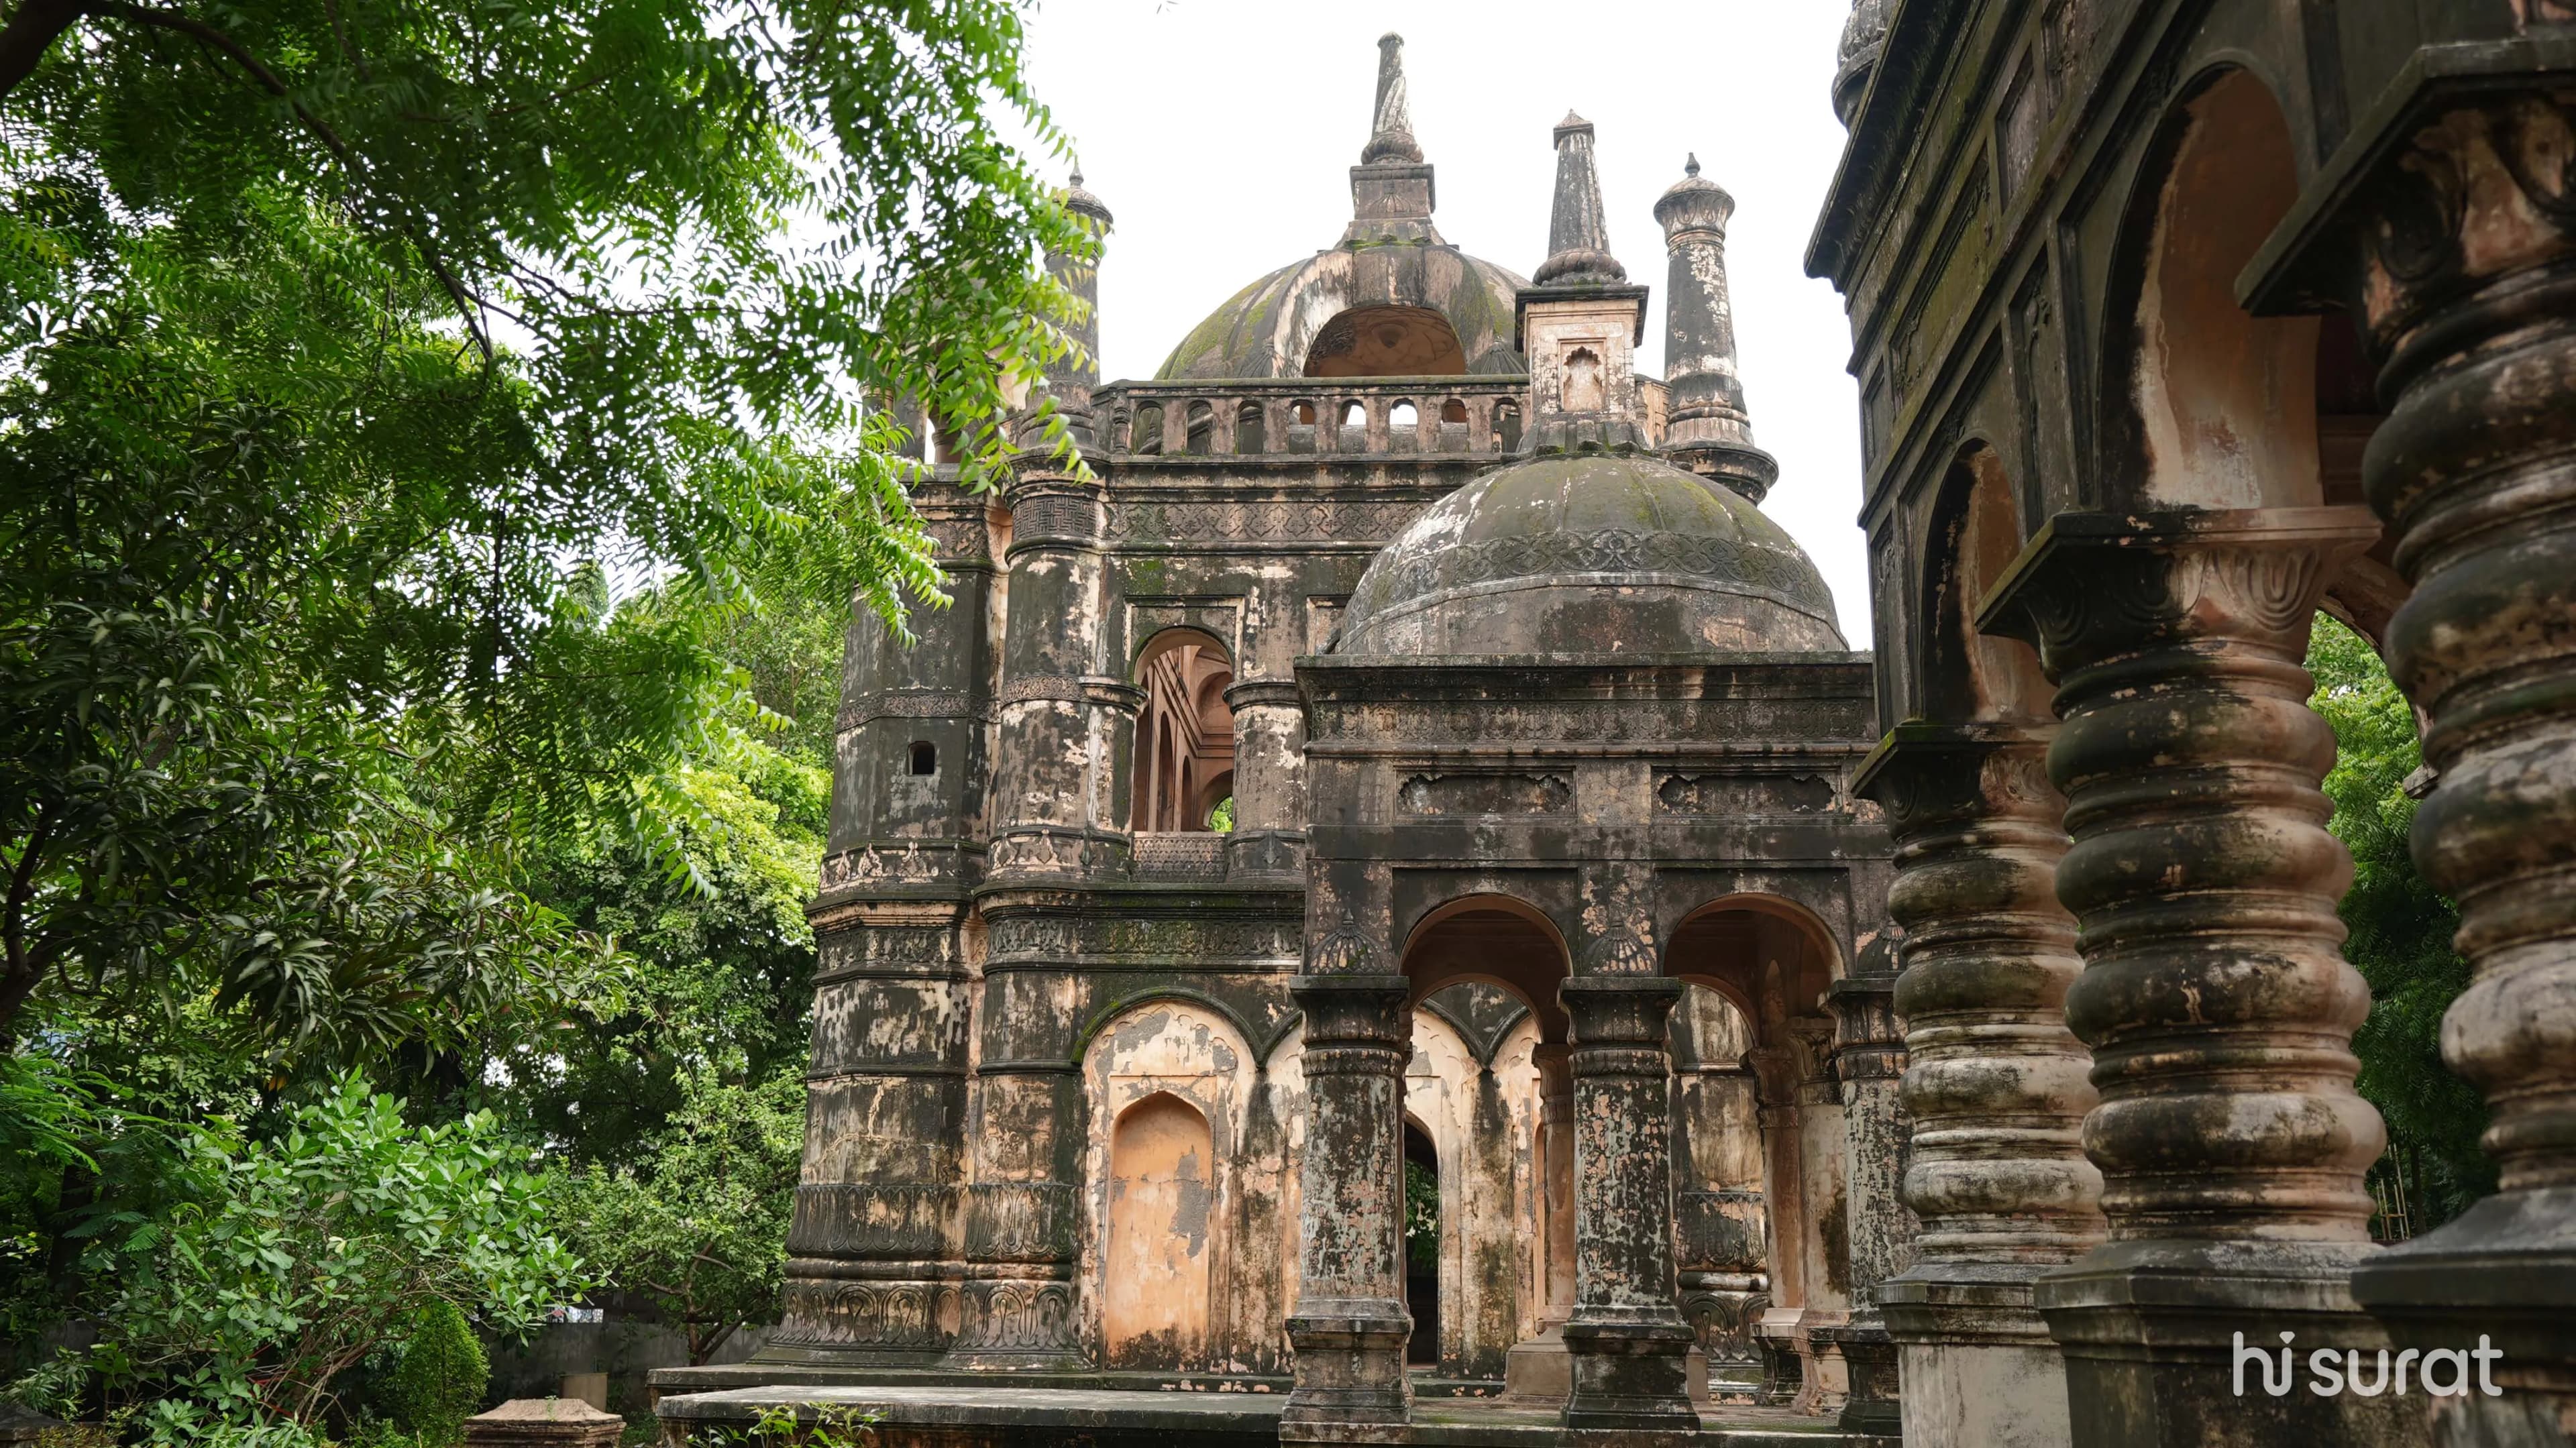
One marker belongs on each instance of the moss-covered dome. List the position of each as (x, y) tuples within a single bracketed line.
[(1590, 553), (1270, 328)]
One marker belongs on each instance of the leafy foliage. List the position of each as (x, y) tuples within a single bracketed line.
[(2401, 930), (441, 1376), (1421, 1217), (698, 1221), (300, 1256)]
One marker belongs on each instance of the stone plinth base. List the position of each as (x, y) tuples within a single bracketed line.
[(2150, 1330), (544, 1423), (2502, 1275), (1008, 1415), (1540, 1371), (1978, 1368)]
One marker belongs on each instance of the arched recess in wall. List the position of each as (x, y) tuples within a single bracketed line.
[(1497, 940), (1771, 959), (2207, 405), (1184, 732), (1471, 1094), (1386, 341), (1971, 677), (1155, 1295), (1219, 1251), (1721, 1224)]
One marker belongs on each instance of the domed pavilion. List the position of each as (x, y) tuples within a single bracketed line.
[(1358, 913)]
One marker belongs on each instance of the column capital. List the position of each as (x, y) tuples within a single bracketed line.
[(2094, 586), (2458, 175), (1869, 1040), (1930, 775)]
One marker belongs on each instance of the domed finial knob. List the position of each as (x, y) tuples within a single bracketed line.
[(1689, 167)]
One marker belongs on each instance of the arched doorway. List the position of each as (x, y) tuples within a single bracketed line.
[(1154, 1309), (1771, 961), (1421, 1244), (1184, 733)]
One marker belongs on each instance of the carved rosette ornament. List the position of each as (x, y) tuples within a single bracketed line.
[(1350, 1325), (2452, 242)]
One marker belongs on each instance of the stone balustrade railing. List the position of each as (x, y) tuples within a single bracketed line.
[(1346, 416)]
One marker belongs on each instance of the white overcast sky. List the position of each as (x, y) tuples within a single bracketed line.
[(1221, 133)]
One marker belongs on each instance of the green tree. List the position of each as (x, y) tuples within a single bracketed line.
[(2401, 930), (297, 1258), (350, 349), (441, 1377), (698, 1222)]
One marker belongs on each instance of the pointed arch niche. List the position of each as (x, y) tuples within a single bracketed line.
[(1184, 733)]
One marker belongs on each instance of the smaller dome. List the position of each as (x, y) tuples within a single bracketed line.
[(1590, 553)]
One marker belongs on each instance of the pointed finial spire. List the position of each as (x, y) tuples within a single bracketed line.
[(1578, 240), (1391, 126), (1689, 168), (1083, 203)]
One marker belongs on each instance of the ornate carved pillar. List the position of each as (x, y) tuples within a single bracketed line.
[(2449, 232), (2218, 1006), (1350, 1326), (1868, 1058), (1996, 1086), (1628, 1343)]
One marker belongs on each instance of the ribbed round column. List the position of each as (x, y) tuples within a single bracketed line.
[(2460, 257), (1996, 1087), (2214, 995)]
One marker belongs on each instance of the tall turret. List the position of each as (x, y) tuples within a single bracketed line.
[(1706, 428), (1579, 323), (1069, 379)]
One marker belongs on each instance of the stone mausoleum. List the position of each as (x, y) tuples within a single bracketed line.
[(1407, 781)]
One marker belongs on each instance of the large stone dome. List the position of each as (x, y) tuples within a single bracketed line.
[(1272, 327), (1590, 553)]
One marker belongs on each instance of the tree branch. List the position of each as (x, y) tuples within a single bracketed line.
[(31, 31)]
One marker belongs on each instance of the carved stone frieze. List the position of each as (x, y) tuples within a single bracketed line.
[(1485, 794), (1261, 521)]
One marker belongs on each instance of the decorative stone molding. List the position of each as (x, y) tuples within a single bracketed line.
[(1614, 550), (1260, 521)]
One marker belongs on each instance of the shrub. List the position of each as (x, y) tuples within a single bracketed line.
[(442, 1375)]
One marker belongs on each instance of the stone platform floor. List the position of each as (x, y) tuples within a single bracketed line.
[(997, 1416)]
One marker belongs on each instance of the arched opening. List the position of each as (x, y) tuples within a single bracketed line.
[(1145, 434), (1403, 415), (1495, 939), (1453, 411), (1184, 733), (2218, 408), (1491, 1075), (1721, 1223), (1354, 415), (922, 758), (1386, 341), (1584, 385), (1421, 1244), (1200, 421), (1771, 960), (1248, 437), (1154, 1312), (1507, 427), (1976, 532)]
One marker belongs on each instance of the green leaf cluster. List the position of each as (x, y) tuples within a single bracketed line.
[(440, 1376), (297, 1257), (2401, 932)]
